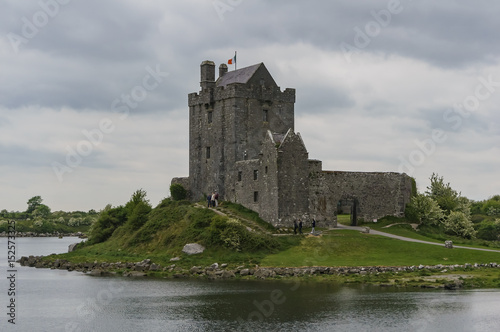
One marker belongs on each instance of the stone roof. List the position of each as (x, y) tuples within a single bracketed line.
[(238, 76)]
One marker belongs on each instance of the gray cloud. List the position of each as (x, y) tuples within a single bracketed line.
[(363, 115)]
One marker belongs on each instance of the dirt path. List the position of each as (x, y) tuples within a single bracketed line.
[(249, 224)]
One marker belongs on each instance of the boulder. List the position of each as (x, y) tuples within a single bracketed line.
[(72, 247), (448, 244), (193, 249)]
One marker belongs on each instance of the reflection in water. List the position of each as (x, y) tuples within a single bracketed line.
[(54, 300)]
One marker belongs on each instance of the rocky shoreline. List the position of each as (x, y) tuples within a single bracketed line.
[(33, 234), (216, 271)]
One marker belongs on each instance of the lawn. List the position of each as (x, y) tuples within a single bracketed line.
[(352, 248)]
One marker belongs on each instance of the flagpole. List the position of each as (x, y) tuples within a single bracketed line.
[(235, 59)]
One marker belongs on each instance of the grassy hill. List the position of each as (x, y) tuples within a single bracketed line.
[(235, 235)]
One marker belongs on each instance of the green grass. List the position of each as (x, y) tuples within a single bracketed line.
[(430, 234), (173, 224), (351, 248), (344, 219)]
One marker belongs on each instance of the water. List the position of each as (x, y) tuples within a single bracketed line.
[(55, 300)]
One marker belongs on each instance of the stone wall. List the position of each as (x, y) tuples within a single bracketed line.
[(293, 180), (377, 194)]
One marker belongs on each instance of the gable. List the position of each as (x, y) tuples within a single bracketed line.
[(252, 75)]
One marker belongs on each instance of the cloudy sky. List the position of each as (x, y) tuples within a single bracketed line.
[(93, 94)]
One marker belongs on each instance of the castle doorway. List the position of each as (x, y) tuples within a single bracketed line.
[(347, 211)]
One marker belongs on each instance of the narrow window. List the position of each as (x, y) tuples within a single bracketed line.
[(265, 116), (266, 169), (255, 174), (209, 116), (208, 152), (239, 175), (255, 196)]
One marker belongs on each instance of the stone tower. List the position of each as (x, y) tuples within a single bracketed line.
[(228, 121), (242, 144)]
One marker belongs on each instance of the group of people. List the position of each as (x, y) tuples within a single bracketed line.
[(299, 226), (213, 200)]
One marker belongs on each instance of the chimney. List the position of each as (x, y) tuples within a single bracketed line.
[(222, 69), (207, 74)]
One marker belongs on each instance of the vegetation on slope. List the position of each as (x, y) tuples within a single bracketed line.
[(136, 230)]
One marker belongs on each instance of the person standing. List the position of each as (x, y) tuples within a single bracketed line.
[(300, 226), (209, 200), (295, 226), (313, 225), (213, 199)]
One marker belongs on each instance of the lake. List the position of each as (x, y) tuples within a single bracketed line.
[(55, 300)]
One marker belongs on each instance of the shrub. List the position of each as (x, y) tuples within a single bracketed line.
[(457, 223), (424, 210), (139, 215), (107, 223), (178, 192), (489, 231)]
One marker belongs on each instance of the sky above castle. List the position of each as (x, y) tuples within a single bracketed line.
[(93, 94)]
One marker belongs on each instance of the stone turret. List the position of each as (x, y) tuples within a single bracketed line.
[(207, 75), (222, 69)]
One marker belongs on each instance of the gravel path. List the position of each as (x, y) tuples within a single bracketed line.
[(402, 238)]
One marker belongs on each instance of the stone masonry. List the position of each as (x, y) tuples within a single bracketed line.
[(242, 145)]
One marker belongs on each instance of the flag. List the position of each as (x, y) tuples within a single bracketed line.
[(232, 60)]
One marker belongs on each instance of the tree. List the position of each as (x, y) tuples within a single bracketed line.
[(489, 231), (42, 211), (137, 197), (457, 223), (33, 203), (442, 193), (178, 192), (424, 210)]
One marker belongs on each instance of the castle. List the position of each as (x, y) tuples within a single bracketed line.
[(242, 144)]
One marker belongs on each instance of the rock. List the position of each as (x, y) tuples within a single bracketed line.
[(175, 259), (193, 249), (227, 274), (366, 230), (448, 244), (244, 272), (223, 266), (154, 267), (215, 266), (72, 247), (263, 273), (195, 270), (134, 274), (96, 273)]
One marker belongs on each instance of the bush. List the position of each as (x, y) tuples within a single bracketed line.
[(107, 223), (489, 231), (178, 192), (230, 233), (424, 210), (457, 223), (139, 215)]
